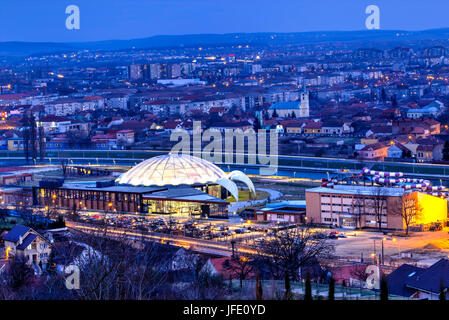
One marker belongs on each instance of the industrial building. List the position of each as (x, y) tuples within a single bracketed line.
[(355, 206)]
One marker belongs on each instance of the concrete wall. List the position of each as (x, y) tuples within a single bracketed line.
[(313, 207)]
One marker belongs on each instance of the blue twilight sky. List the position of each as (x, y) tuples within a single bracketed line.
[(44, 20)]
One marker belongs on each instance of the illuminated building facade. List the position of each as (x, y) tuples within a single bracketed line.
[(350, 206), (184, 201), (169, 184)]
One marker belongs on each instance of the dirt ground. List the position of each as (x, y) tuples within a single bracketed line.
[(421, 248)]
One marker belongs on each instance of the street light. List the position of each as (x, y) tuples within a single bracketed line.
[(373, 255), (399, 247)]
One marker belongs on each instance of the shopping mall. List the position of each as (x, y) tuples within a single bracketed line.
[(169, 184)]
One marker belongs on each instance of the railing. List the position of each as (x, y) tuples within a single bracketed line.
[(284, 161)]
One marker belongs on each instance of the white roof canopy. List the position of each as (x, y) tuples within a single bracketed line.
[(180, 169)]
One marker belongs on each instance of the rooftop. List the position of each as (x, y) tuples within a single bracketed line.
[(15, 233), (359, 190), (184, 193), (285, 105), (119, 188)]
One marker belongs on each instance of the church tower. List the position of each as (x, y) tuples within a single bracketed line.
[(304, 107)]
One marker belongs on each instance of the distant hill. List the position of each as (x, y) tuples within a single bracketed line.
[(27, 48)]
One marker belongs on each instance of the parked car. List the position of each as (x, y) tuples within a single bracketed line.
[(333, 235), (319, 235), (436, 226)]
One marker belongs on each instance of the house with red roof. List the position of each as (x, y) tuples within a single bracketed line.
[(104, 141), (376, 151), (312, 127), (125, 137), (53, 123), (171, 125), (425, 153)]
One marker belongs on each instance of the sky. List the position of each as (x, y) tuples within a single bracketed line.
[(44, 20)]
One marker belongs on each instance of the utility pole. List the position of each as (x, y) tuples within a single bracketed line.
[(382, 261), (233, 246)]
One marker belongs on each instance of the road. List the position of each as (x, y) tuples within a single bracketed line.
[(423, 248), (198, 245), (285, 162)]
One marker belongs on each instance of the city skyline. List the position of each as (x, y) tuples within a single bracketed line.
[(101, 20)]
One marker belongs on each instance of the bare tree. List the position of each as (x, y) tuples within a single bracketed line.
[(77, 138), (206, 286), (26, 136), (359, 208), (408, 209), (239, 266), (288, 250), (42, 146), (3, 215), (33, 139), (30, 144), (359, 273), (19, 275), (64, 164), (121, 268), (379, 205)]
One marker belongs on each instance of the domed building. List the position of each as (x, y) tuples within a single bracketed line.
[(168, 184), (176, 170)]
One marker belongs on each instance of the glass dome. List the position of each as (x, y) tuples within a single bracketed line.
[(172, 169)]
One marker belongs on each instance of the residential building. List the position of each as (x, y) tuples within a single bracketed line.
[(377, 151), (420, 283), (24, 242)]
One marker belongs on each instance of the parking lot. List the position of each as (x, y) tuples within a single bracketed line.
[(208, 229), (350, 244)]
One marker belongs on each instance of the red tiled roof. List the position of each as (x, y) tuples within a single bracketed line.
[(375, 146), (107, 136), (14, 96), (93, 98), (313, 125), (170, 125), (10, 169), (53, 118), (216, 109), (425, 148)]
